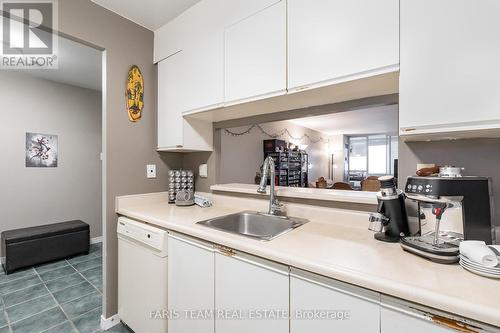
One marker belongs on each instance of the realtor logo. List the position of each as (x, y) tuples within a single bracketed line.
[(28, 34)]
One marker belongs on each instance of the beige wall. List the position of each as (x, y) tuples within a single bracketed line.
[(128, 146), (72, 190), (479, 157), (242, 156)]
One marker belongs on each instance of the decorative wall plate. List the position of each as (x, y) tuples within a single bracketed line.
[(135, 93)]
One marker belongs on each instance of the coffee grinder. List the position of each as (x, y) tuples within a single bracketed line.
[(391, 220), (449, 209)]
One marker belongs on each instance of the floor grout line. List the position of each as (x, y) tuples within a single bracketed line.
[(25, 301), (83, 276), (80, 296), (60, 307), (69, 321), (15, 291), (19, 278), (92, 256), (4, 309), (61, 277), (34, 314), (73, 285), (5, 315)]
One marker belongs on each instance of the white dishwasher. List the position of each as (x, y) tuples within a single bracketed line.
[(142, 276)]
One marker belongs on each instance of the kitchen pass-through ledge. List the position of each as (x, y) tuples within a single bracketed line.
[(357, 197)]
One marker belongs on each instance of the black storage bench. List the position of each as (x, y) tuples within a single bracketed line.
[(36, 245)]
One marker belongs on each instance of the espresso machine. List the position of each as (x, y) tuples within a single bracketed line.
[(450, 208), (391, 220)]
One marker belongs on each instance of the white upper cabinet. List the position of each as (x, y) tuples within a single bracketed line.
[(450, 66), (174, 97), (203, 74), (169, 121), (189, 29), (205, 18), (255, 55), (334, 40), (350, 309), (251, 285), (199, 36)]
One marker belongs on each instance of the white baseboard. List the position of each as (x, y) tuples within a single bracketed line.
[(107, 323), (96, 240)]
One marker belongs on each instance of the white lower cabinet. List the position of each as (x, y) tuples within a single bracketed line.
[(212, 289), (322, 305), (190, 285), (248, 290)]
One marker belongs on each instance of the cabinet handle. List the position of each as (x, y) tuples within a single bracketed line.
[(453, 324), (179, 146), (302, 88), (409, 129), (226, 251)]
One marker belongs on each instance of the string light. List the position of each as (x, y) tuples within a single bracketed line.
[(279, 134)]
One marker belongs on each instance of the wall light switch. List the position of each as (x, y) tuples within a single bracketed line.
[(151, 170)]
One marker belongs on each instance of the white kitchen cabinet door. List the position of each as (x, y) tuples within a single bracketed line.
[(308, 293), (255, 55), (177, 75), (170, 131), (246, 287), (450, 68), (393, 321), (203, 74), (237, 10), (190, 284), (203, 19), (338, 40)]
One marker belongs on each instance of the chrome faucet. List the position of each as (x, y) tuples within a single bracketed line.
[(275, 207)]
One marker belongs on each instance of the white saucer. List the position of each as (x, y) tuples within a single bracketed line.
[(480, 268), (488, 275)]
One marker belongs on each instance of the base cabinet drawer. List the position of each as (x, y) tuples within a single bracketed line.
[(322, 305)]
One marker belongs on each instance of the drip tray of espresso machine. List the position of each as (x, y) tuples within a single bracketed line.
[(445, 251)]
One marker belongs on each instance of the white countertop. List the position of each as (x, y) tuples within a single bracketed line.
[(335, 243), (362, 197)]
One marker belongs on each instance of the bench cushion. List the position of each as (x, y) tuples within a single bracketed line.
[(24, 234)]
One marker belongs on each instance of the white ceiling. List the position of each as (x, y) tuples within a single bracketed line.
[(78, 65), (382, 119), (150, 14)]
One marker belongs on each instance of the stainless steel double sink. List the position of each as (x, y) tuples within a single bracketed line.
[(255, 225)]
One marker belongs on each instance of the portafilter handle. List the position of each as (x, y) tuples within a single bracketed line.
[(438, 211)]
